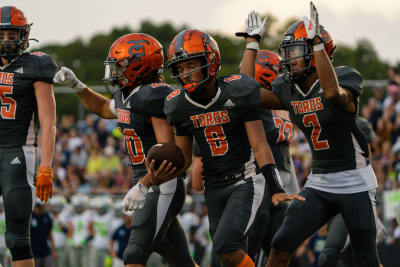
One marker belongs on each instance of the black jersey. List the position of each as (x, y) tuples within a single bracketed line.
[(336, 142), (218, 127), (19, 122), (279, 132), (134, 112)]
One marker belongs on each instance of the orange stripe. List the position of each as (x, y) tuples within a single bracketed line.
[(246, 262)]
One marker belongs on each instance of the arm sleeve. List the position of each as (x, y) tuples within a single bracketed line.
[(350, 79), (154, 98), (46, 68), (282, 90)]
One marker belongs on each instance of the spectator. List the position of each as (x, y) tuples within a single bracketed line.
[(41, 236)]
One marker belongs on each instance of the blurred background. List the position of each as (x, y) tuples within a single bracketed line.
[(90, 163)]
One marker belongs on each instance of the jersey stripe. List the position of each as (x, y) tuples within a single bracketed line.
[(359, 158), (31, 134)]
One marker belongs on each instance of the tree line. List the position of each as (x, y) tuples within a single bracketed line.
[(86, 57)]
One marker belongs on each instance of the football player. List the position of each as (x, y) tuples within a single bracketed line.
[(133, 76), (27, 100), (322, 101), (279, 131), (223, 115), (337, 250)]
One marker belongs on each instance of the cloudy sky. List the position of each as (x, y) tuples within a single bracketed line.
[(347, 20)]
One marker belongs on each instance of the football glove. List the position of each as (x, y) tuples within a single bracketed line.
[(254, 27), (44, 183), (67, 77), (312, 24), (134, 199)]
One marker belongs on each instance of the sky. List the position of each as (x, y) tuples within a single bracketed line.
[(61, 22)]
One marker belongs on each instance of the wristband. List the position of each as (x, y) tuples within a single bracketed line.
[(253, 46), (319, 47), (272, 178)]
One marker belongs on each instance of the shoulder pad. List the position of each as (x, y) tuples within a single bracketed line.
[(282, 89), (171, 106), (242, 89), (350, 79), (152, 98), (46, 67)]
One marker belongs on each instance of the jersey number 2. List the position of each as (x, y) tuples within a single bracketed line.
[(134, 146), (311, 120), (8, 104), (216, 138)]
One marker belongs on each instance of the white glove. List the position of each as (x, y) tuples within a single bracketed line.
[(254, 27), (312, 24), (381, 232), (67, 77), (134, 199)]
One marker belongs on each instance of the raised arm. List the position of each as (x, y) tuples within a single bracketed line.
[(326, 74), (92, 100), (254, 31)]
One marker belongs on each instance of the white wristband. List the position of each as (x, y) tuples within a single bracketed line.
[(318, 47), (253, 46)]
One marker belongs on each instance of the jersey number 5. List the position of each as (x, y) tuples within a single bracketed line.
[(311, 120), (134, 146), (216, 138), (8, 104)]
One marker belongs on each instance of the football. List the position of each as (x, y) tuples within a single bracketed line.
[(166, 151)]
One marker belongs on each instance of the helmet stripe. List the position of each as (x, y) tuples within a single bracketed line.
[(179, 42), (6, 15)]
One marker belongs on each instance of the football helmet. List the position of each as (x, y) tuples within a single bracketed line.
[(267, 67), (57, 203), (295, 45), (102, 204), (131, 58), (79, 202), (11, 18), (194, 44)]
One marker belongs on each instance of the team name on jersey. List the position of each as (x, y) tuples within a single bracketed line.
[(124, 116), (210, 118), (6, 78), (306, 106)]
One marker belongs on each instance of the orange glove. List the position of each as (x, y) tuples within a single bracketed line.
[(44, 184)]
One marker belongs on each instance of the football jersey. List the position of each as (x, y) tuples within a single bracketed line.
[(218, 127), (279, 131), (134, 112), (336, 142), (19, 122)]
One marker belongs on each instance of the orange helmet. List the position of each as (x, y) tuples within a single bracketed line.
[(11, 18), (295, 44), (131, 58), (194, 44), (267, 67)]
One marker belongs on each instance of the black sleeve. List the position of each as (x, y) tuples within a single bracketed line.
[(350, 79), (153, 99), (245, 93), (171, 107), (366, 128), (46, 68), (282, 90)]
